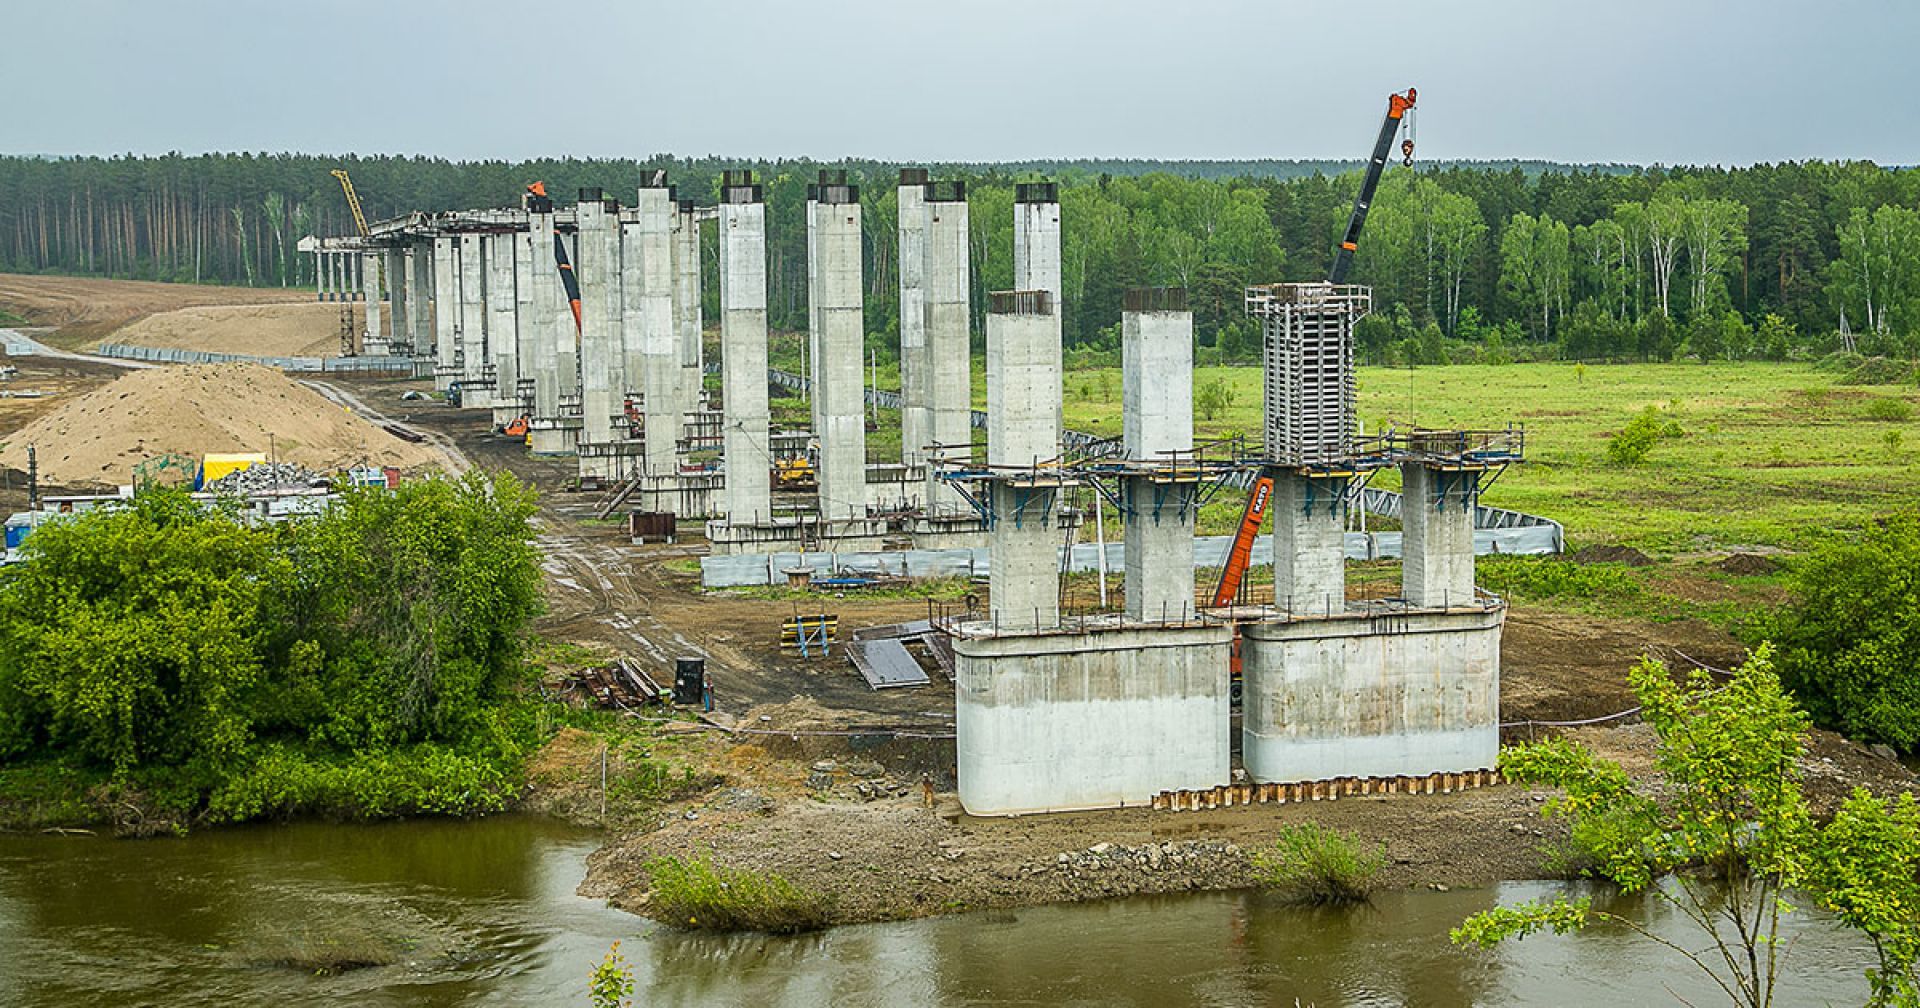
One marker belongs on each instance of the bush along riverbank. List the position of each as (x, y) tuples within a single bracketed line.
[(168, 665)]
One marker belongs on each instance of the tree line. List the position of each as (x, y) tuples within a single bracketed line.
[(1481, 260)]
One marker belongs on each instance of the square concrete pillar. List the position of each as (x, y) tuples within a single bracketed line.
[(912, 218), (1436, 544), (601, 316), (471, 320), (420, 288), (503, 324), (1156, 363), (653, 361), (949, 347), (840, 347), (686, 304), (374, 337), (446, 310), (1309, 544), (1023, 558), (747, 494)]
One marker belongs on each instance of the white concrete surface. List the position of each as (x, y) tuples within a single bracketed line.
[(743, 356), (1058, 722)]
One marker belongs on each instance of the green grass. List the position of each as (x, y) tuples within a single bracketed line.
[(696, 894), (1311, 864), (1769, 454)]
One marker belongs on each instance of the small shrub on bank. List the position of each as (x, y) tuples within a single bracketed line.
[(696, 894), (1889, 409), (1309, 864), (1637, 439)]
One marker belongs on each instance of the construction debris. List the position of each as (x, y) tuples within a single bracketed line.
[(267, 476), (621, 683)]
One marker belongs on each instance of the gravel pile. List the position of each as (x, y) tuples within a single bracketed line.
[(267, 476)]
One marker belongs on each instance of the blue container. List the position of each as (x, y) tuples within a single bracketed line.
[(17, 534)]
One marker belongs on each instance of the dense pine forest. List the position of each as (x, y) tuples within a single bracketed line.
[(1482, 261)]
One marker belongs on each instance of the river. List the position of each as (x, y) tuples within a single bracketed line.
[(486, 914)]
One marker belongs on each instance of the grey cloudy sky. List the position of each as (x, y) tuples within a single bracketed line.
[(1672, 81)]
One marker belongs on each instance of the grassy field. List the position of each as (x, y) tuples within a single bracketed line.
[(1769, 454)]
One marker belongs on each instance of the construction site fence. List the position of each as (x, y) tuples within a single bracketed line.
[(338, 365), (749, 569)]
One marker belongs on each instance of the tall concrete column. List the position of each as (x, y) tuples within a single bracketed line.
[(420, 306), (813, 305), (319, 275), (400, 337), (446, 310), (1156, 363), (653, 360), (686, 304), (912, 204), (472, 318), (530, 338), (543, 278), (1436, 545), (374, 335), (743, 349), (598, 269), (503, 324), (839, 372), (1036, 250), (1309, 543), (949, 338), (1023, 386)]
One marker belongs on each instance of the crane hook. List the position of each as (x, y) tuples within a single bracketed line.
[(1406, 153)]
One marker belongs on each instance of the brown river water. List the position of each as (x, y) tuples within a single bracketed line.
[(485, 914)]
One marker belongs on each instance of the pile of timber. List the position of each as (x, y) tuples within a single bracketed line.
[(621, 683)]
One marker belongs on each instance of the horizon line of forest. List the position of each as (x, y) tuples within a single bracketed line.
[(1511, 259)]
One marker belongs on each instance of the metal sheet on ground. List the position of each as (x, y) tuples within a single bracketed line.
[(886, 664)]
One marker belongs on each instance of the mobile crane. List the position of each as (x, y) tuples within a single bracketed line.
[(349, 346), (1240, 553)]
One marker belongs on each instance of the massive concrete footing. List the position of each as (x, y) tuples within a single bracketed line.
[(1364, 695), (1051, 722)]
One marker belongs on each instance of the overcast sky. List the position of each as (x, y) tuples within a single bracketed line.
[(1643, 81)]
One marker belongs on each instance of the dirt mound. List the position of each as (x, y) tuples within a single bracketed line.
[(98, 438), (308, 329), (1748, 564), (1612, 554)]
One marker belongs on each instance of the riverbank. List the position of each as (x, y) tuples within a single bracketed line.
[(861, 829)]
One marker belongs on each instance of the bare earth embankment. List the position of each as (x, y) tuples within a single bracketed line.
[(82, 310)]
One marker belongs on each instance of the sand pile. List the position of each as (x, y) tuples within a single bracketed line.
[(310, 329), (192, 410)]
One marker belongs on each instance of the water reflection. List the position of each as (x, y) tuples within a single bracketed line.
[(489, 916)]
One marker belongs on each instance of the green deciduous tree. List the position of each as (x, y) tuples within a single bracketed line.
[(1721, 836), (1850, 639)]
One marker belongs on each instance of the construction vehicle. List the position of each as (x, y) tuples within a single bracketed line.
[(795, 473), (1240, 553), (349, 332), (519, 427)]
